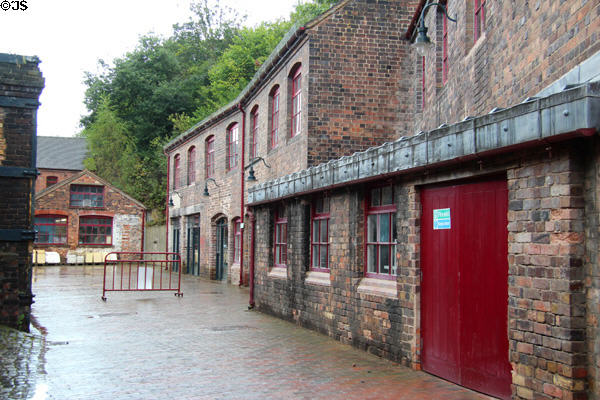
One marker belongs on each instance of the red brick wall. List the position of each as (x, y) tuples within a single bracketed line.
[(61, 174), (527, 46), (357, 70), (127, 218)]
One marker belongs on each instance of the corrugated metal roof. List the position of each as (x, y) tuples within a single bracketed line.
[(61, 152)]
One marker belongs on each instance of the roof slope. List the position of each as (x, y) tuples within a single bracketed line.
[(61, 152)]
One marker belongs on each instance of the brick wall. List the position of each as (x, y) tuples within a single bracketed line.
[(126, 216), (20, 86), (592, 270), (357, 72), (553, 264), (526, 47), (61, 174)]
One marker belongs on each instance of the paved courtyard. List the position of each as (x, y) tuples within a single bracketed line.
[(204, 345)]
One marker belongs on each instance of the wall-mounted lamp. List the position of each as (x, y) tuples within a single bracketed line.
[(171, 204), (206, 194), (422, 42), (251, 177)]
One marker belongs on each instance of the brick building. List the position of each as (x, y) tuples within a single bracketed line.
[(446, 213), (86, 217), (307, 104), (21, 84)]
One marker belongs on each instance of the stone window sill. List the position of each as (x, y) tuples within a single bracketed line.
[(277, 272), (378, 287), (318, 278)]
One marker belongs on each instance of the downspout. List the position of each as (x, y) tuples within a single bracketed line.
[(251, 272), (167, 202), (143, 228), (242, 194)]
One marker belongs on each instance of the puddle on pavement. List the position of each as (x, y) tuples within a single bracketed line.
[(229, 328), (115, 314)]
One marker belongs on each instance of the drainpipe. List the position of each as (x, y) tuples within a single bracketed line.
[(251, 267), (143, 228), (242, 194), (167, 203)]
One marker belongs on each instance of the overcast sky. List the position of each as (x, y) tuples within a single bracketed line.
[(69, 36)]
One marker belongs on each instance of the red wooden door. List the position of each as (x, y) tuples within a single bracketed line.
[(464, 300)]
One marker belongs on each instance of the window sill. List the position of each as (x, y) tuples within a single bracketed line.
[(318, 278), (378, 287), (278, 272)]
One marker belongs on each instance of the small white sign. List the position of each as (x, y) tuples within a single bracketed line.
[(441, 219)]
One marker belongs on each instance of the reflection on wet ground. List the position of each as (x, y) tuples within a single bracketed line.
[(204, 345)]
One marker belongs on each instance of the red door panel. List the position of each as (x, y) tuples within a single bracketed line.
[(472, 310), (439, 295)]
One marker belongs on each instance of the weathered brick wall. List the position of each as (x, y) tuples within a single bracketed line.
[(61, 174), (526, 47), (553, 263), (20, 86), (592, 262), (358, 70), (127, 217), (547, 304)]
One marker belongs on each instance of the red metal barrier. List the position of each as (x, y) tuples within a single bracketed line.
[(141, 272)]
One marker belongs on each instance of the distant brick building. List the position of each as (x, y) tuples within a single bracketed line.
[(84, 216), (21, 83), (467, 245)]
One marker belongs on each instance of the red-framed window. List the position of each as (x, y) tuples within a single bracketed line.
[(320, 234), (89, 196), (296, 101), (381, 233), (176, 171), (191, 170), (210, 156), (280, 241), (254, 133), (232, 146), (445, 51), (479, 19), (237, 239), (274, 117), (51, 180), (95, 230), (51, 229)]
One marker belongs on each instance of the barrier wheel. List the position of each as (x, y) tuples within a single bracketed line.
[(103, 298)]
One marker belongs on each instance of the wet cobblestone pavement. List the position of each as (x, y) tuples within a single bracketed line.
[(204, 345)]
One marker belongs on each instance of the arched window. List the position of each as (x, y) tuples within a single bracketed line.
[(296, 77), (210, 157), (176, 171), (52, 229), (253, 133), (191, 172), (95, 230), (232, 145), (274, 120)]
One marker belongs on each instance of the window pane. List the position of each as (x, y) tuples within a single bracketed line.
[(372, 228), (315, 256), (284, 254), (386, 196), (394, 229), (384, 259), (371, 258), (324, 263), (323, 236), (375, 193), (315, 231), (277, 255), (384, 227), (394, 266)]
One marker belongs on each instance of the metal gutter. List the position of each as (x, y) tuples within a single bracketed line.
[(571, 113)]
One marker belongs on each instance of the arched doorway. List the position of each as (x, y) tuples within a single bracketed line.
[(221, 250)]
